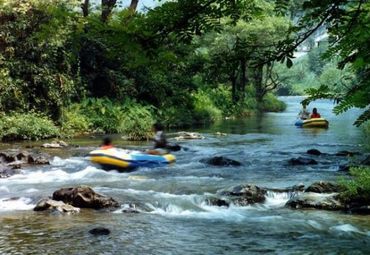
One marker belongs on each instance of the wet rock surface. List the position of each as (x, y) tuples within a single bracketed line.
[(316, 201), (302, 161), (246, 194), (99, 231), (220, 161), (324, 187), (47, 204), (84, 197)]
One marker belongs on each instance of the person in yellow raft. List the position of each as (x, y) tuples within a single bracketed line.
[(304, 114), (107, 143)]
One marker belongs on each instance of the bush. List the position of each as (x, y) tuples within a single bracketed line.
[(137, 121), (366, 130), (26, 126), (272, 104), (103, 114), (74, 122), (130, 118), (357, 188), (205, 109)]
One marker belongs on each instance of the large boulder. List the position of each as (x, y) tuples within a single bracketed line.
[(324, 187), (220, 161), (302, 161), (316, 201), (84, 197), (47, 204), (247, 194)]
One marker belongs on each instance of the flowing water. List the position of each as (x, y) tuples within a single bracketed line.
[(176, 218)]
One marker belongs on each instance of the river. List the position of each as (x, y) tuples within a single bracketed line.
[(177, 219)]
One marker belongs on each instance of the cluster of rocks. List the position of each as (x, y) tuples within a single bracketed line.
[(303, 160), (319, 195), (12, 160)]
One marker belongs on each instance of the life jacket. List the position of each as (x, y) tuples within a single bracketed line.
[(106, 147), (315, 115)]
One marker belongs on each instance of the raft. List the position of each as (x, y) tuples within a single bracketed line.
[(313, 123), (120, 159)]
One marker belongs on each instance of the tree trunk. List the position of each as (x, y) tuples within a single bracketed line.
[(233, 86), (85, 8), (243, 79), (106, 8), (258, 74), (133, 5)]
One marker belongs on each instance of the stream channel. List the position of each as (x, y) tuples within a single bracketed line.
[(177, 218)]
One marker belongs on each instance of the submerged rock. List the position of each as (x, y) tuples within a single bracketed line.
[(220, 161), (173, 147), (302, 161), (363, 210), (324, 187), (99, 231), (47, 204), (84, 197), (314, 152), (316, 201), (347, 153), (366, 161)]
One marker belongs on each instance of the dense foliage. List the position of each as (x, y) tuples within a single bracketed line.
[(357, 189), (183, 62), (347, 23)]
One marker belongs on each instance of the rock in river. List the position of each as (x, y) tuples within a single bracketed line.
[(324, 187), (220, 161), (84, 197), (302, 161), (47, 204), (316, 201), (247, 194)]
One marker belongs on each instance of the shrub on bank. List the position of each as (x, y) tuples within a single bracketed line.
[(103, 115), (204, 108), (73, 122), (272, 104), (137, 121), (26, 126), (358, 187)]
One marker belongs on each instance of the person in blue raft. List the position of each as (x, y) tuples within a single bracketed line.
[(161, 146)]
